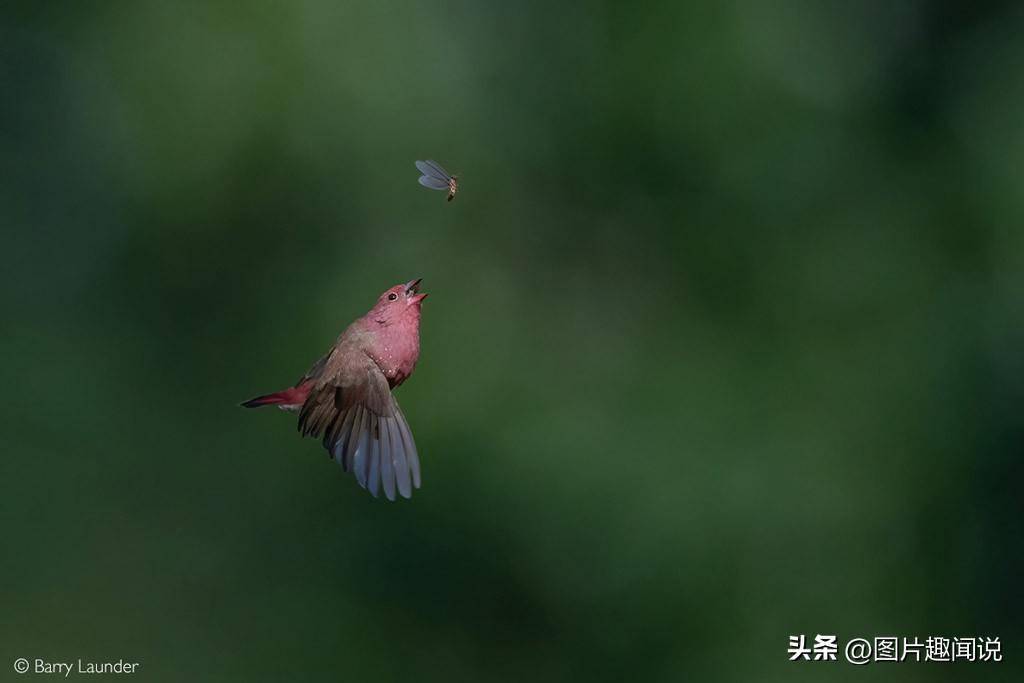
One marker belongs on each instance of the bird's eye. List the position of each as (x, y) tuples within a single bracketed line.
[(392, 296)]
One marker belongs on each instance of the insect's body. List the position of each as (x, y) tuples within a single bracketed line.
[(436, 178)]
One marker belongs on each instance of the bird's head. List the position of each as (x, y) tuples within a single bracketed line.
[(398, 303)]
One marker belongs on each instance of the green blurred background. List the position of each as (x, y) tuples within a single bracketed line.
[(724, 340)]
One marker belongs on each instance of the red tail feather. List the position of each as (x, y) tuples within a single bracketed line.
[(294, 396)]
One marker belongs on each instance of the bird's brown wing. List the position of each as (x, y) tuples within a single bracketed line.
[(317, 369), (362, 426)]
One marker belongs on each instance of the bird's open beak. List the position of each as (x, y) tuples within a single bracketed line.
[(412, 291)]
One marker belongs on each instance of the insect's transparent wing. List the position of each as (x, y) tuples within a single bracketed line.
[(437, 167), (433, 171), (433, 183)]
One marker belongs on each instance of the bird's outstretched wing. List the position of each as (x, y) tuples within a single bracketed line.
[(362, 426), (317, 369)]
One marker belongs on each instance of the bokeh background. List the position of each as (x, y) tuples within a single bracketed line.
[(724, 340)]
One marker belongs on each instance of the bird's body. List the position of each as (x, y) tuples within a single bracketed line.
[(346, 395)]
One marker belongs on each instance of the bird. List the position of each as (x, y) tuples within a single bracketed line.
[(436, 178), (346, 396)]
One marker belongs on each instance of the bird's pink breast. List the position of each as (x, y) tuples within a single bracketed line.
[(396, 349)]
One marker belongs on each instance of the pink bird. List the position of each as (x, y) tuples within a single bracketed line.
[(346, 395)]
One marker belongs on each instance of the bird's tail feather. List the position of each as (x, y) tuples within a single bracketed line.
[(290, 396)]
